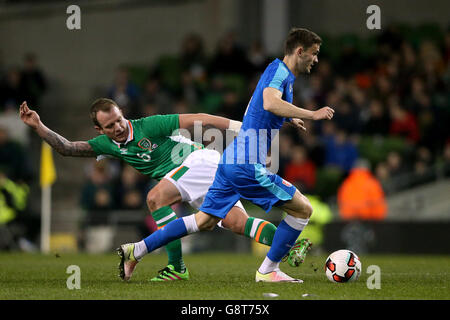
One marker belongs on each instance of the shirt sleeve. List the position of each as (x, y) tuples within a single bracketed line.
[(99, 145), (161, 125), (279, 77)]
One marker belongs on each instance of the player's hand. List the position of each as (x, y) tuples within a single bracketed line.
[(325, 113), (28, 116), (298, 123)]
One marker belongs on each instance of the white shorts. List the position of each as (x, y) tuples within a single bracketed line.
[(195, 175)]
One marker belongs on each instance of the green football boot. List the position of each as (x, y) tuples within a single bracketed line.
[(169, 274), (297, 254)]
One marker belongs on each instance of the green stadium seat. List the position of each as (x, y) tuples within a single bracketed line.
[(138, 74), (235, 83), (375, 149), (170, 69), (328, 181)]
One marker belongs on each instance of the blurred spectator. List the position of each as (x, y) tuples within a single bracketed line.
[(12, 91), (404, 123), (408, 65), (193, 59), (382, 173), (156, 97), (350, 61), (395, 164), (389, 40), (19, 228), (213, 99), (431, 57), (382, 88), (180, 107), (301, 171), (232, 107), (131, 190), (418, 98), (318, 94), (125, 93), (33, 81), (190, 90), (285, 147), (257, 57), (346, 117), (97, 192), (13, 160), (340, 151), (378, 121), (230, 58), (422, 166), (361, 196)]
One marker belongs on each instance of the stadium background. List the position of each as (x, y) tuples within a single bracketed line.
[(390, 89)]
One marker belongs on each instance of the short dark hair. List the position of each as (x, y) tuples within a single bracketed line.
[(102, 104), (300, 37)]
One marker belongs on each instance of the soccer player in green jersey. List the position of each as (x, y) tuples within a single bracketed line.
[(151, 145)]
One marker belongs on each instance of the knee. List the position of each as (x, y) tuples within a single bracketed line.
[(207, 225), (153, 202), (236, 225), (305, 210), (205, 222), (308, 210)]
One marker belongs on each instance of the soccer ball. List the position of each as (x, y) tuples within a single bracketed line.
[(343, 266)]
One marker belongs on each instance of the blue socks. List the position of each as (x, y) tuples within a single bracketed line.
[(282, 242), (173, 230)]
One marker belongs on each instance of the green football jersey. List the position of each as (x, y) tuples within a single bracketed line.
[(153, 147)]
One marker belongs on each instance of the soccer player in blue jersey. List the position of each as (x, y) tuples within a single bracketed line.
[(243, 173)]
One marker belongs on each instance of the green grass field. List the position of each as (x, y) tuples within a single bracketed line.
[(217, 276)]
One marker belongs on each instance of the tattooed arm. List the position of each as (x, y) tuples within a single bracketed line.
[(59, 143)]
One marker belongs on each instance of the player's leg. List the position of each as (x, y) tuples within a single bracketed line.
[(159, 200), (298, 211), (131, 253), (219, 201), (238, 221), (194, 184), (262, 231), (265, 189), (179, 228)]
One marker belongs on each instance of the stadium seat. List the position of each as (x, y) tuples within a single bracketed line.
[(235, 82), (138, 74), (375, 149), (170, 70), (328, 181)]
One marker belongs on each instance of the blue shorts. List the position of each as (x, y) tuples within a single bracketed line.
[(248, 181)]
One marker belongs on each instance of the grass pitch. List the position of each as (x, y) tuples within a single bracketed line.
[(217, 276)]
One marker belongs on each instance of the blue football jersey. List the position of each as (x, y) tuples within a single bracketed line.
[(259, 126)]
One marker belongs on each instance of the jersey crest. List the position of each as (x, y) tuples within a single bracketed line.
[(145, 144)]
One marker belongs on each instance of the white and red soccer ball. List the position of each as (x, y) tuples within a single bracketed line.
[(343, 266)]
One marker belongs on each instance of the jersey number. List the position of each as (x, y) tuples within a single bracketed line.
[(144, 157)]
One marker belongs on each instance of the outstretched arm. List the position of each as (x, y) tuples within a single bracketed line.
[(59, 143), (275, 104), (187, 121)]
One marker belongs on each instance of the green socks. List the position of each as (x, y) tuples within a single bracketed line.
[(260, 230), (162, 217)]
